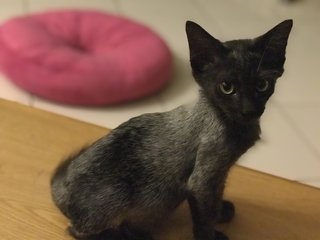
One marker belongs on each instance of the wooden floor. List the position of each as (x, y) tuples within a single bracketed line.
[(33, 142)]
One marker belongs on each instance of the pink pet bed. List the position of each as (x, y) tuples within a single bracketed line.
[(86, 58)]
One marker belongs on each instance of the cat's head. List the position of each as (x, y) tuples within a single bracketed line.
[(238, 76)]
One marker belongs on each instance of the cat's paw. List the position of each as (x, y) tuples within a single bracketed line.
[(220, 236), (130, 233), (215, 235), (74, 233), (110, 234), (227, 212)]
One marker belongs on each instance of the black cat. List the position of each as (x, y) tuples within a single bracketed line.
[(133, 178)]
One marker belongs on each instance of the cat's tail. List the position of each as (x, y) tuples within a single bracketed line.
[(60, 171), (59, 188)]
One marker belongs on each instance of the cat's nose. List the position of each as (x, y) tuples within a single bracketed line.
[(249, 114), (249, 110)]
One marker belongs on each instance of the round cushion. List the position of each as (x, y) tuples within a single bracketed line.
[(83, 57)]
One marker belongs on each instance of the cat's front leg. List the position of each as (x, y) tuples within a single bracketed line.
[(202, 210), (206, 185), (227, 212)]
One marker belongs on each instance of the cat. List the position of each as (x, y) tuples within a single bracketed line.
[(130, 180)]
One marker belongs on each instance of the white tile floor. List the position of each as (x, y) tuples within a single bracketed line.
[(291, 132)]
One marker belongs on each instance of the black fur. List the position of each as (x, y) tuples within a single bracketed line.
[(129, 181)]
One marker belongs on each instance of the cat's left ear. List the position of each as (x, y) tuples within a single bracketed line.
[(272, 46), (204, 48)]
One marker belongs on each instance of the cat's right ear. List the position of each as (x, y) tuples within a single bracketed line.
[(273, 45), (204, 49)]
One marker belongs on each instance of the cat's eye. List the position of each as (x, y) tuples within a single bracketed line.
[(262, 85), (227, 88)]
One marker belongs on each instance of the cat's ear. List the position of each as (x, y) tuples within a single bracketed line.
[(272, 46), (204, 49)]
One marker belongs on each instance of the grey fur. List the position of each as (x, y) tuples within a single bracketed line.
[(140, 172)]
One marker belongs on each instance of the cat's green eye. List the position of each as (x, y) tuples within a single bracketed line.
[(227, 88), (262, 85)]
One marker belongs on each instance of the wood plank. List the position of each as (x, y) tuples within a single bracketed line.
[(33, 142)]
